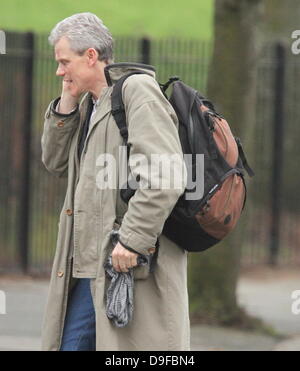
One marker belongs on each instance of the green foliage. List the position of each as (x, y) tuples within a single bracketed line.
[(156, 18)]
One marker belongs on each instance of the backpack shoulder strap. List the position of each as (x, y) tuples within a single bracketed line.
[(117, 105)]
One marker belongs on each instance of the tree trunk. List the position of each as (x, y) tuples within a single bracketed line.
[(213, 274)]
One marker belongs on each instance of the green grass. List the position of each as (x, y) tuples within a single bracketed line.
[(155, 18)]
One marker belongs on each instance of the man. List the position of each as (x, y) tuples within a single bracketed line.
[(74, 140)]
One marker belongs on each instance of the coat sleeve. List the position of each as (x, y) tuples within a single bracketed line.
[(56, 139), (156, 156)]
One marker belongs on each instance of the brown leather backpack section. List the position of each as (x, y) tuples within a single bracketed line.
[(221, 213)]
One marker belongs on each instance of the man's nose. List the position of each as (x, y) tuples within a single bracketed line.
[(60, 71)]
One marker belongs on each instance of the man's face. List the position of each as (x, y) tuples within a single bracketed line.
[(75, 69)]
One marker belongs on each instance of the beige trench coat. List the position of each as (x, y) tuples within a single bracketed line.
[(161, 319)]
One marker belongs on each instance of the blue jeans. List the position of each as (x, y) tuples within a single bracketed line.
[(80, 330)]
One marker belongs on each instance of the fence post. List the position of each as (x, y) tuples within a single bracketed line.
[(23, 233), (277, 158), (145, 50)]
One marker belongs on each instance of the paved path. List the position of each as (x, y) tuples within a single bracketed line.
[(25, 303), (264, 293), (267, 293)]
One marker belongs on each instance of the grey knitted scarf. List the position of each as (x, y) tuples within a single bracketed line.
[(119, 295)]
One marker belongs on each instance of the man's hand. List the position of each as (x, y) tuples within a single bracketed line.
[(123, 259), (68, 101)]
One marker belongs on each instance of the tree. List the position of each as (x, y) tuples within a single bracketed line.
[(213, 274)]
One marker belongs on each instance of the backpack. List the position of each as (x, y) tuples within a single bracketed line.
[(198, 224)]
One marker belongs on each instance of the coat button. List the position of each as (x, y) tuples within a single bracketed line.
[(151, 250), (60, 124), (69, 212), (60, 274)]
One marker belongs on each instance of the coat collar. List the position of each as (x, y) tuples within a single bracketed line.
[(113, 72), (105, 104)]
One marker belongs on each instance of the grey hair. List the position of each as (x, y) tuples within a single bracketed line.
[(85, 30)]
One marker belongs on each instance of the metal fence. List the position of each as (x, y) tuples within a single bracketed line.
[(30, 198), (273, 222)]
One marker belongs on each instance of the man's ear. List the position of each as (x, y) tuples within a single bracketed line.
[(92, 56)]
